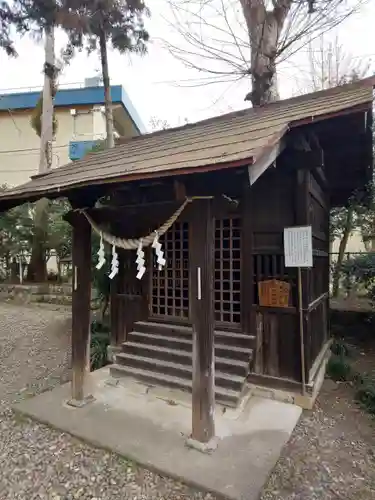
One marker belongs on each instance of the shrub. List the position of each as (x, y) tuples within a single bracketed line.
[(360, 270), (365, 394), (339, 368), (100, 338), (340, 348)]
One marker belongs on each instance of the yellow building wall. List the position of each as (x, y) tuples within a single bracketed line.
[(355, 243), (19, 144)]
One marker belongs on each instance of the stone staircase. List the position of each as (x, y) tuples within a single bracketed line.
[(161, 354)]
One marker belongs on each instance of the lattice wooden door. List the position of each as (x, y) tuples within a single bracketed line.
[(227, 284), (170, 287)]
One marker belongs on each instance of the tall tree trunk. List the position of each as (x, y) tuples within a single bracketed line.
[(342, 247), (14, 271), (45, 158), (264, 28), (107, 91), (37, 269)]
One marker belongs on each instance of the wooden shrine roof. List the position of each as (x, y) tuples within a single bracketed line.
[(234, 139)]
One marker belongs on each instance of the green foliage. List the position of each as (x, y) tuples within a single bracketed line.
[(36, 118), (17, 230), (120, 21), (100, 338), (339, 368), (366, 218), (360, 270), (59, 231), (340, 348), (100, 280), (365, 393), (338, 217), (99, 146)]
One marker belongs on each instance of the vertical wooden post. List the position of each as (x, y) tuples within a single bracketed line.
[(202, 308), (247, 269), (301, 330), (81, 299), (303, 275)]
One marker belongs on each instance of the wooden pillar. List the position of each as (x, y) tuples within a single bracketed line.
[(247, 270), (202, 310), (302, 219), (81, 302)]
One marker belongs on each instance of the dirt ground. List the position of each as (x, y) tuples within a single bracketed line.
[(331, 454)]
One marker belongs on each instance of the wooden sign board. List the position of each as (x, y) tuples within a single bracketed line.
[(298, 246), (273, 293)]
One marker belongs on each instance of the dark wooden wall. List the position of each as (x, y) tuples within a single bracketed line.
[(316, 321), (248, 249), (292, 194), (165, 296)]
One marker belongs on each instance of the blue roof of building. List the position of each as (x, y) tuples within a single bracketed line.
[(74, 97)]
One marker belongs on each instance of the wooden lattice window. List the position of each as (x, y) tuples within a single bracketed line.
[(268, 266), (227, 284), (170, 286)]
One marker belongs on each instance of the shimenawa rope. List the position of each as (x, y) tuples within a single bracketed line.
[(133, 244)]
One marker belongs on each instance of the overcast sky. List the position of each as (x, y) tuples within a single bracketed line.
[(152, 81)]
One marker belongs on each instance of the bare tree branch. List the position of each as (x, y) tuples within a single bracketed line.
[(330, 65), (248, 38)]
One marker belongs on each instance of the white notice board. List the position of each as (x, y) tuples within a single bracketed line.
[(298, 246)]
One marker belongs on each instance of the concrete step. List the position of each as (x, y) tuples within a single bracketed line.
[(224, 396), (229, 360), (222, 379)]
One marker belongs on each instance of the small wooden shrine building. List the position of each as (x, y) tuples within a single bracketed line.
[(219, 193)]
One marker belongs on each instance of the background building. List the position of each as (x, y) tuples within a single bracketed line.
[(80, 115)]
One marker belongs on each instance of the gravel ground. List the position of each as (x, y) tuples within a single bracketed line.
[(330, 456), (37, 462)]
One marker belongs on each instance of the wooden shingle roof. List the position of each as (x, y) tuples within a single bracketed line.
[(234, 139)]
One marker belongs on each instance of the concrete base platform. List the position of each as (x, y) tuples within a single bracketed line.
[(151, 425)]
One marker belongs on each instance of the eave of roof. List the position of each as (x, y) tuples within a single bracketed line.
[(225, 141)]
